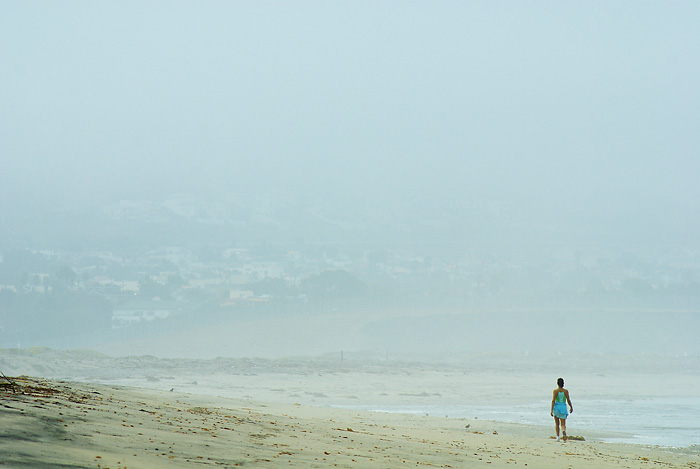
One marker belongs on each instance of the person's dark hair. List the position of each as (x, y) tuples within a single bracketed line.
[(560, 382)]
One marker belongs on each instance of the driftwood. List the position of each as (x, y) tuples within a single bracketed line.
[(8, 379)]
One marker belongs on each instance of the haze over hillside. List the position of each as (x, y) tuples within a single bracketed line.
[(453, 158)]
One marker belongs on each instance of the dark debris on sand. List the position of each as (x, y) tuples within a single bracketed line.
[(32, 387)]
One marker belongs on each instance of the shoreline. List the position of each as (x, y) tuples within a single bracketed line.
[(67, 424), (505, 382)]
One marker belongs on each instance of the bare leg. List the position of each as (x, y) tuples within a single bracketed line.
[(556, 426), (563, 428)]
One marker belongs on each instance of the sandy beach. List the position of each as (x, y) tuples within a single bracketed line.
[(62, 424), (89, 410)]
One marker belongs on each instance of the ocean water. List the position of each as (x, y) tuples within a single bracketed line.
[(650, 421)]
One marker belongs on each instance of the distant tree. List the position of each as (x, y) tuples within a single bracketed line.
[(630, 260), (35, 315), (7, 298), (209, 254), (66, 276), (90, 261), (120, 272), (23, 278), (275, 287), (684, 289), (379, 256), (23, 260), (36, 280), (175, 281), (333, 284), (637, 286), (149, 289)]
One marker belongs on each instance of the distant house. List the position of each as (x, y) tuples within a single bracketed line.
[(206, 282), (130, 286), (139, 311), (262, 270), (242, 297), (240, 294)]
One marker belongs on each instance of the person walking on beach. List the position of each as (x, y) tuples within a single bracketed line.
[(560, 397)]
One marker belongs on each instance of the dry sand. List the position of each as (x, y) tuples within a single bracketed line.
[(97, 411)]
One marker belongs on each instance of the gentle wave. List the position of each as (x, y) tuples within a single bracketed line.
[(649, 421)]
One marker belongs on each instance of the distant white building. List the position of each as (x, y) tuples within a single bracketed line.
[(130, 286), (263, 270), (240, 294), (236, 253), (141, 311)]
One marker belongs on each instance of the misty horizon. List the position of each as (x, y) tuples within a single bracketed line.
[(554, 143), (578, 117)]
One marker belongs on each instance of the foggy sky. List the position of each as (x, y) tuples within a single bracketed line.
[(581, 112)]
